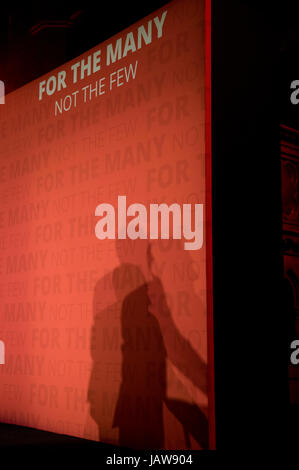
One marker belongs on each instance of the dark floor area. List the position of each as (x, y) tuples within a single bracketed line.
[(20, 437)]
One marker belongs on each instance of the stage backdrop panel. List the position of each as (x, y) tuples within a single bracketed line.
[(111, 339)]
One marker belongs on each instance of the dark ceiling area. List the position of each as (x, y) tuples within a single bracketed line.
[(36, 36)]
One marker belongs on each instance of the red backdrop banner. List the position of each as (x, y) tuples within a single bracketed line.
[(110, 339)]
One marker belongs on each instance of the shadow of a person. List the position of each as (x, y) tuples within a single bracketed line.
[(126, 334), (105, 346), (139, 410), (137, 334)]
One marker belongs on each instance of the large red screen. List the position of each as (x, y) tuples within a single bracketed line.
[(106, 295)]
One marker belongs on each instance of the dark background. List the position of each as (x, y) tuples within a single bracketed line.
[(255, 56)]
